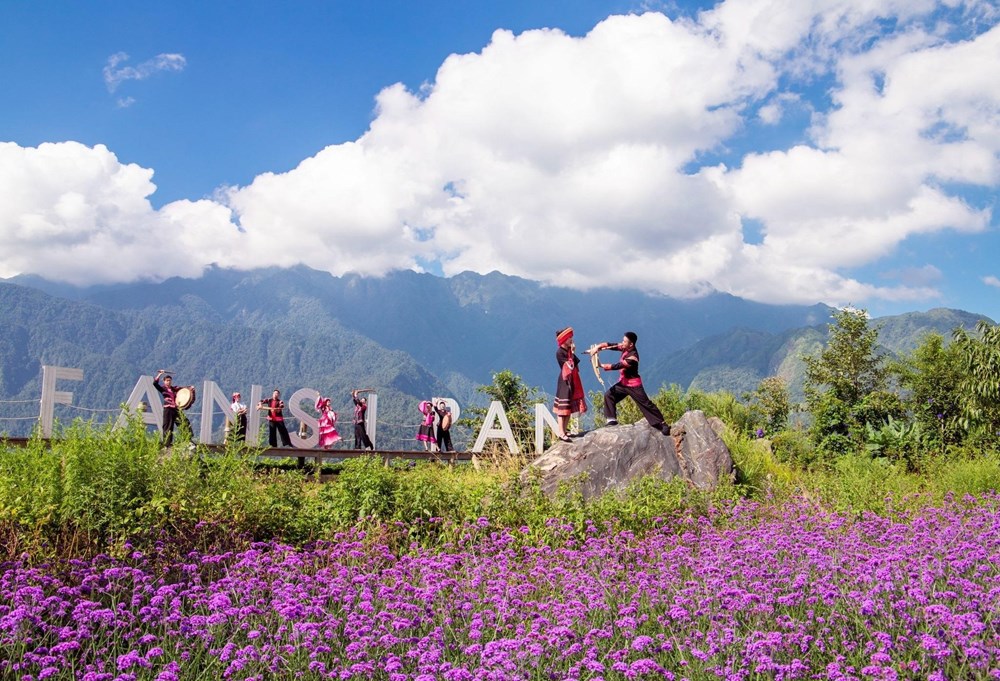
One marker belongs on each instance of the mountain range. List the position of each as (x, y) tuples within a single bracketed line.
[(410, 335)]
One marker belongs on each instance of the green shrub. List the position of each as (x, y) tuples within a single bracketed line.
[(961, 474), (794, 448), (99, 489), (759, 472), (737, 415), (858, 483), (365, 489)]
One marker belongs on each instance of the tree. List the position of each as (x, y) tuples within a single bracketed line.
[(979, 387), (847, 385), (932, 376), (770, 405)]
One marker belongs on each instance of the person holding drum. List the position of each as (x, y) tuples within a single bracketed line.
[(170, 403), (444, 427)]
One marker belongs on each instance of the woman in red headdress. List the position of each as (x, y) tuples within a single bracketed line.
[(570, 398), (327, 423)]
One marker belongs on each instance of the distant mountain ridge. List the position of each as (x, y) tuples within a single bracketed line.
[(411, 335), (453, 324), (740, 358)]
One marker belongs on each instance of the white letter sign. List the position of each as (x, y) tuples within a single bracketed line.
[(494, 413), (51, 396)]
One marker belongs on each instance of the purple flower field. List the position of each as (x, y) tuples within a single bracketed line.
[(749, 593)]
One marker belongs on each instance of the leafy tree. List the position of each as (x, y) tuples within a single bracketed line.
[(770, 405), (979, 387), (518, 401), (847, 385), (932, 376)]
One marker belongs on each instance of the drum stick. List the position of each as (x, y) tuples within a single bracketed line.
[(364, 390)]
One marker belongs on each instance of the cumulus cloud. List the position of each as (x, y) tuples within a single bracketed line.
[(586, 161), (75, 213), (115, 74), (991, 280)]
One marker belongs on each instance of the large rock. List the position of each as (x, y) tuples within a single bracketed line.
[(609, 458)]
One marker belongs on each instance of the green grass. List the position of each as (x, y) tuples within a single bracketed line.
[(95, 489)]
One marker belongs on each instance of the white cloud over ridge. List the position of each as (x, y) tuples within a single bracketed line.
[(579, 161)]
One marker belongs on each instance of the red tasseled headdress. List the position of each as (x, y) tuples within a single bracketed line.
[(565, 335)]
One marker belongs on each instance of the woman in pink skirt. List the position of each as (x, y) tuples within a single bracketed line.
[(426, 432), (327, 423)]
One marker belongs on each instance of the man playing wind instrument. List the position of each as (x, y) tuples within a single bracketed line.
[(629, 383)]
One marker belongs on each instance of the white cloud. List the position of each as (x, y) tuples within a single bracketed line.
[(115, 75), (75, 213), (578, 161), (991, 280)]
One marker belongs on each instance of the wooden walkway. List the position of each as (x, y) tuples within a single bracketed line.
[(318, 455)]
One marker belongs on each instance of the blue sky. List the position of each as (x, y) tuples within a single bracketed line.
[(779, 152)]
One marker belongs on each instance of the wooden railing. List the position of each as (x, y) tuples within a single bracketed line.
[(318, 455)]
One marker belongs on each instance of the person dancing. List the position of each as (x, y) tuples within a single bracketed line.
[(171, 414), (629, 384), (361, 439), (327, 423)]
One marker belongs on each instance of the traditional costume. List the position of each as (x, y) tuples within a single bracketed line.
[(361, 439), (170, 412), (570, 398), (630, 385), (426, 431), (276, 423), (327, 423)]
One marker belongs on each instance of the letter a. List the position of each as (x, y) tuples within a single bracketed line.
[(493, 414)]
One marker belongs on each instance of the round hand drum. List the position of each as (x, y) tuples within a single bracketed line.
[(185, 397)]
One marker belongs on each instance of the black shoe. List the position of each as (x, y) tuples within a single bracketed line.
[(611, 422), (565, 438)]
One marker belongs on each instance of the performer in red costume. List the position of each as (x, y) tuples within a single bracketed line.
[(570, 398), (629, 384)]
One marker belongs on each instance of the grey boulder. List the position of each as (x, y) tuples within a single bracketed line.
[(610, 458)]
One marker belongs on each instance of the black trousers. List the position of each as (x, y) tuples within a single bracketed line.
[(444, 440), (619, 392), (361, 440), (169, 421), (275, 428)]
